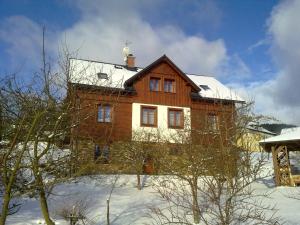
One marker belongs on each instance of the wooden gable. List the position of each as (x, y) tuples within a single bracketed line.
[(164, 70)]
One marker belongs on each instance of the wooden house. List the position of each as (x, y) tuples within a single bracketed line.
[(115, 101)]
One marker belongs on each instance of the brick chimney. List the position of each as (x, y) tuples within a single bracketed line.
[(130, 62)]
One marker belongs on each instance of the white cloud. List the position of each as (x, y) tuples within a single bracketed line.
[(279, 96), (20, 34), (104, 28), (235, 69), (263, 94)]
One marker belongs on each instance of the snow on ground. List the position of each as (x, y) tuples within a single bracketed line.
[(129, 206)]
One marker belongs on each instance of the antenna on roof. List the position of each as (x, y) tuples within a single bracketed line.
[(126, 50)]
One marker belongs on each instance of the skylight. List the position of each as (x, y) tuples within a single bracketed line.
[(118, 67), (204, 87), (102, 76)]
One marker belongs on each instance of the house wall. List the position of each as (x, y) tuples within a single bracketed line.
[(126, 109), (250, 140), (225, 116), (162, 132), (89, 128)]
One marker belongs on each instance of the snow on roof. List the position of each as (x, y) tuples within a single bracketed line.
[(286, 130), (212, 88), (114, 75), (292, 134), (86, 72), (256, 127)]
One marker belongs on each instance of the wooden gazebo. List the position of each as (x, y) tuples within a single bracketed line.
[(281, 146)]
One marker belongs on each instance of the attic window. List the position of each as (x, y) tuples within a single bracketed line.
[(204, 87), (102, 76)]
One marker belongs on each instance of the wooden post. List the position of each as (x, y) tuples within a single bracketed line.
[(107, 212), (275, 166), (282, 168)]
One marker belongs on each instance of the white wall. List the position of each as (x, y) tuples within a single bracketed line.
[(161, 132)]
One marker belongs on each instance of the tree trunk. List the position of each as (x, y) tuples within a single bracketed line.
[(139, 182), (44, 207), (196, 210), (5, 205)]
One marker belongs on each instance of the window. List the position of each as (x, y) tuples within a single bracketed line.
[(102, 76), (169, 85), (149, 116), (97, 152), (154, 84), (175, 118), (104, 113), (212, 121), (204, 87), (101, 154)]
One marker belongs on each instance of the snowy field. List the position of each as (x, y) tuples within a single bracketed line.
[(130, 206)]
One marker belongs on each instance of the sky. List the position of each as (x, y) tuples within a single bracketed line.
[(252, 46)]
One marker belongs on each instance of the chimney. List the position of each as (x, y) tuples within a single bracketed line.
[(130, 62)]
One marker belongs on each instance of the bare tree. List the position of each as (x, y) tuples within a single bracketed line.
[(138, 154), (36, 117), (211, 178)]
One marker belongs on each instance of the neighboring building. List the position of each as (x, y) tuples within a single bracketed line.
[(285, 150), (118, 101), (253, 135)]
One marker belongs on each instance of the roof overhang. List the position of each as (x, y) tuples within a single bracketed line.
[(196, 96), (103, 89), (292, 145)]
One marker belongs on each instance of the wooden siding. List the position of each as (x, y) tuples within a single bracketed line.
[(181, 97), (199, 115), (118, 129), (121, 126)]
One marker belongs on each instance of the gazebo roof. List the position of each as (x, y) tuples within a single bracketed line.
[(287, 135)]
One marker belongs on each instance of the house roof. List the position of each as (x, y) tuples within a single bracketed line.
[(85, 72), (257, 128), (215, 90), (289, 135)]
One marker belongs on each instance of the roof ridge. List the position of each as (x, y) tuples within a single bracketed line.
[(139, 67), (97, 61), (200, 75)]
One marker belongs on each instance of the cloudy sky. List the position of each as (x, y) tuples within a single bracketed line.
[(252, 45)]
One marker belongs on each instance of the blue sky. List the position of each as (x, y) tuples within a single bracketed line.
[(246, 44)]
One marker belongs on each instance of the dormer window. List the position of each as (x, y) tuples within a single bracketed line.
[(102, 76), (204, 87)]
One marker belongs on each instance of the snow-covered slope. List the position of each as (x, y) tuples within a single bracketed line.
[(130, 206)]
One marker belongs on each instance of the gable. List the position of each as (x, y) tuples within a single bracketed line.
[(170, 86), (165, 66)]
